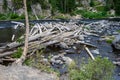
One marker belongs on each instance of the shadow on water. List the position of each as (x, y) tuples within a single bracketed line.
[(6, 34), (7, 30)]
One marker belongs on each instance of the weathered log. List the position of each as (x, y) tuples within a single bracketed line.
[(9, 60), (7, 53), (19, 23), (116, 63), (17, 44), (92, 57), (87, 44)]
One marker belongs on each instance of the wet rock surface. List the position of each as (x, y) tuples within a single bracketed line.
[(116, 42), (61, 59)]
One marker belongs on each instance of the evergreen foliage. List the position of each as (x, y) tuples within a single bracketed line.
[(64, 6), (19, 4), (5, 4), (92, 3), (109, 5), (117, 6)]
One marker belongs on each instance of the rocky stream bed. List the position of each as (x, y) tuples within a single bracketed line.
[(70, 41)]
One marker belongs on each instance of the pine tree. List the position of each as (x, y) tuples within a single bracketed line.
[(117, 6), (64, 6), (5, 4)]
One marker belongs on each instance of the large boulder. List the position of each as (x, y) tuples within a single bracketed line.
[(24, 73), (116, 42), (37, 9)]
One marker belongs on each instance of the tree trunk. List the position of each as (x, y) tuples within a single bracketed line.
[(22, 58)]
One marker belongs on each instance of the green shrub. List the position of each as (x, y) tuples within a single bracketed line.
[(118, 31), (117, 6), (100, 8), (100, 69), (35, 61), (91, 15), (18, 53), (109, 39), (92, 3), (13, 16), (5, 4), (96, 3), (2, 17)]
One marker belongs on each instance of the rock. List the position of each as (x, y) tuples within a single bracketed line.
[(57, 59), (61, 60), (63, 45), (77, 17), (68, 60), (115, 33), (20, 11), (88, 41), (45, 61), (24, 73), (96, 51), (81, 37), (65, 77), (116, 42), (118, 74), (112, 12), (37, 8), (71, 51)]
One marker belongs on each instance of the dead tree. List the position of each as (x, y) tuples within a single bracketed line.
[(22, 58)]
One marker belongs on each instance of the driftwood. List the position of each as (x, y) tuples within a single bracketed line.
[(7, 53), (88, 44), (9, 60), (116, 63), (92, 57)]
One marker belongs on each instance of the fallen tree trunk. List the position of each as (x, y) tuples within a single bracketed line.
[(7, 53)]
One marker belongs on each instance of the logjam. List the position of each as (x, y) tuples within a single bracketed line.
[(64, 34)]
